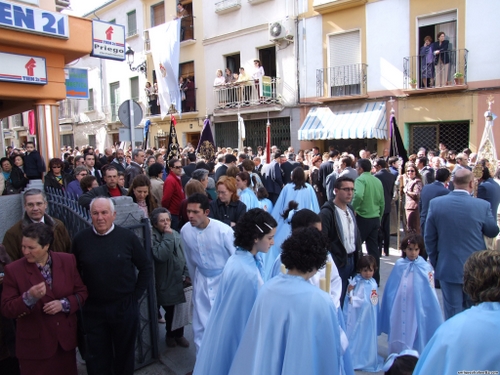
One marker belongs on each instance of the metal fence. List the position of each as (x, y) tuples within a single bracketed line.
[(246, 94), (76, 218), (344, 80)]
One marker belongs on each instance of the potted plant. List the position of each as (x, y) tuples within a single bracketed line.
[(459, 78), (413, 83)]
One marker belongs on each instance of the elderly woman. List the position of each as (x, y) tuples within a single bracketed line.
[(140, 191), (412, 188), (171, 274), (201, 175), (55, 177), (227, 207), (427, 63), (43, 291), (478, 326), (74, 188), (14, 180)]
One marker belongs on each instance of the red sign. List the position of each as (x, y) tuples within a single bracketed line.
[(30, 67)]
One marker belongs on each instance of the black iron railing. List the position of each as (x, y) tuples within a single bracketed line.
[(343, 80), (421, 72), (64, 207)]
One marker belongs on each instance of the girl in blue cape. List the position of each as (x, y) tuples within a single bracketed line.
[(247, 195), (240, 282), (410, 311), (361, 313)]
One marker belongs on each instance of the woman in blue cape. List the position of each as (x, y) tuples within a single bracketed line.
[(410, 312), (465, 343), (247, 195), (299, 191), (240, 282), (293, 327)]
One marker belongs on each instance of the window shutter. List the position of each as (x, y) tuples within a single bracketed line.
[(345, 49)]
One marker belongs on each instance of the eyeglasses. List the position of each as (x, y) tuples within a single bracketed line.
[(347, 189)]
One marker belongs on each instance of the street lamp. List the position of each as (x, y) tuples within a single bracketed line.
[(130, 60)]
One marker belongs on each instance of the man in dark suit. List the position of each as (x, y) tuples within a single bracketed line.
[(325, 169), (228, 161), (426, 172), (90, 164), (388, 180), (431, 191), (455, 228), (188, 169), (273, 180), (34, 165), (287, 166), (119, 161), (489, 190)]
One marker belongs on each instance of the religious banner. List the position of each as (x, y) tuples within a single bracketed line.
[(487, 149), (206, 146), (173, 143)]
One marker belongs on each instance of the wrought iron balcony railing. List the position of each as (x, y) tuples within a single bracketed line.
[(343, 80), (246, 94), (422, 72)]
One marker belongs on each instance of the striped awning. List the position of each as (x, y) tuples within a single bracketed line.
[(345, 121)]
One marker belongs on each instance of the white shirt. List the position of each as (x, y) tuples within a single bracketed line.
[(348, 226), (207, 251)]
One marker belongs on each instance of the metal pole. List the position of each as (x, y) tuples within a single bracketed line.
[(131, 122)]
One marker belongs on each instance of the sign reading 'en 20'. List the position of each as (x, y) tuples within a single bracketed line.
[(108, 40), (33, 20)]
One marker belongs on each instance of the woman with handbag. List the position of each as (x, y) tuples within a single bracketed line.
[(41, 292), (412, 188), (171, 273)]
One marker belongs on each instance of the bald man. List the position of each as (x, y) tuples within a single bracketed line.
[(456, 224)]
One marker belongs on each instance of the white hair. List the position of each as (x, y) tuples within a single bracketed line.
[(109, 200)]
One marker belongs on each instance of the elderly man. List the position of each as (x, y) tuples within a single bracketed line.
[(108, 257), (455, 228), (35, 205), (208, 244), (109, 189), (135, 167)]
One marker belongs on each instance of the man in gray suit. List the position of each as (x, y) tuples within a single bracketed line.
[(456, 224)]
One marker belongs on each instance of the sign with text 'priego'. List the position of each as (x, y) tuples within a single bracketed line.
[(108, 40)]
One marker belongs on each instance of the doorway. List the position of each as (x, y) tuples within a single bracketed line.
[(267, 57), (193, 138)]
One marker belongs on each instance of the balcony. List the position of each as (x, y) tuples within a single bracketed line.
[(226, 6), (439, 77), (253, 2), (341, 82), (327, 6), (249, 96)]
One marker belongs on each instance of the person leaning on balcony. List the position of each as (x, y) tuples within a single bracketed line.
[(441, 59), (257, 74), (229, 78), (218, 83), (426, 63), (243, 80)]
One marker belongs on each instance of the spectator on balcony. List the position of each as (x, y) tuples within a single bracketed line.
[(257, 74), (427, 63), (190, 95), (152, 98), (441, 59), (219, 79), (243, 81), (181, 14), (229, 78), (183, 88)]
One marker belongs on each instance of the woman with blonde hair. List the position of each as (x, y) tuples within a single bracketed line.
[(227, 207)]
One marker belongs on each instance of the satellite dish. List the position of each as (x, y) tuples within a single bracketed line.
[(276, 29)]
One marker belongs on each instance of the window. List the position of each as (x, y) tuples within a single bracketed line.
[(131, 23), (114, 92), (157, 14), (90, 101), (5, 123), (186, 71), (18, 120), (67, 140), (233, 62), (344, 58), (134, 88), (92, 140), (455, 135)]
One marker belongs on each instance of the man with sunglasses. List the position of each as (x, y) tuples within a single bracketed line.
[(173, 193), (339, 225)]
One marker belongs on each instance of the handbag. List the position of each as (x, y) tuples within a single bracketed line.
[(81, 334), (183, 313)]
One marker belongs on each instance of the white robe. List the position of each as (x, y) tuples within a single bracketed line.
[(207, 252)]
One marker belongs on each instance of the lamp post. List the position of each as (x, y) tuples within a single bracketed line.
[(130, 60)]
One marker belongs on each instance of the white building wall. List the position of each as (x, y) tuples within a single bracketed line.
[(387, 43), (310, 54), (481, 26)]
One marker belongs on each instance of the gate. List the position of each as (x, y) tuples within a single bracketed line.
[(76, 218), (454, 135)]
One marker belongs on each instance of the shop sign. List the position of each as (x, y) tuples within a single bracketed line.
[(33, 20), (77, 83), (108, 40), (22, 69)]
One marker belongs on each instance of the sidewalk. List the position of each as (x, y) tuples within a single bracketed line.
[(179, 361)]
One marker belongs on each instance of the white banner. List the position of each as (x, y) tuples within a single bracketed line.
[(165, 49)]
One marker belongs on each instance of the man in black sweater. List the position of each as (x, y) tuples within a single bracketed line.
[(107, 257)]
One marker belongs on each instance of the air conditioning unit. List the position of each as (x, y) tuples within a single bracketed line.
[(281, 30)]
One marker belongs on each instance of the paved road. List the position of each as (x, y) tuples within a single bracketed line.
[(179, 361)]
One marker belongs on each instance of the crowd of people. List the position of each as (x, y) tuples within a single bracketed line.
[(259, 244)]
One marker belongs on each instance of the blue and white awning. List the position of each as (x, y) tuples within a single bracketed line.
[(345, 121)]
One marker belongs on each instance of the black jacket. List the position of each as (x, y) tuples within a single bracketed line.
[(388, 180), (17, 180), (101, 191), (331, 230), (132, 170), (51, 181), (34, 166), (227, 214)]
